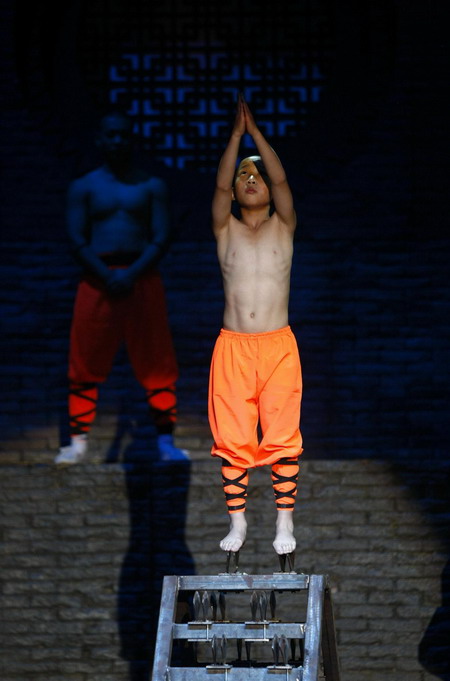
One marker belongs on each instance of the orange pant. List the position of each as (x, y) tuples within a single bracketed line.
[(255, 379)]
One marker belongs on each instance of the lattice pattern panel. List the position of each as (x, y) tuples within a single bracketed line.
[(176, 67)]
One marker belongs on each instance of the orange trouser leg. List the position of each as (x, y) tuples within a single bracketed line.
[(255, 377), (235, 482), (284, 480), (82, 406)]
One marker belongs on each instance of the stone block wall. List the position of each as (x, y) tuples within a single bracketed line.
[(84, 552)]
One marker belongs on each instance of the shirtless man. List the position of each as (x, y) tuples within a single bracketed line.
[(118, 225), (255, 372)]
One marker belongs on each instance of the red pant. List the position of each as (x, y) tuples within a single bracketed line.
[(102, 322)]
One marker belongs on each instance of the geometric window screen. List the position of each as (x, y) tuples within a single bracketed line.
[(177, 67)]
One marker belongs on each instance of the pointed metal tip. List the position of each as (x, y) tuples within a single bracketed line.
[(235, 556), (291, 560)]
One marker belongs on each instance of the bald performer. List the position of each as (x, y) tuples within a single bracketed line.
[(118, 224), (255, 375)]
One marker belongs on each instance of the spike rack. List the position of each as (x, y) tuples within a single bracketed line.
[(300, 651)]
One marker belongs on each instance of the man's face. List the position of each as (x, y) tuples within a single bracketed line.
[(115, 138), (249, 184)]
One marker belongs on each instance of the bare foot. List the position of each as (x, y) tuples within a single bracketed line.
[(284, 541), (238, 531)]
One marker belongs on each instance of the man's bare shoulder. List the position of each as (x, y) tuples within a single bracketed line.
[(153, 184), (156, 185), (281, 226), (87, 180), (231, 225), (80, 187), (136, 176)]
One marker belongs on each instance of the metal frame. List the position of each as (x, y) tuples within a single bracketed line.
[(318, 632)]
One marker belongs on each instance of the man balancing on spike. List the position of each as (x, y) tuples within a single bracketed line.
[(255, 375)]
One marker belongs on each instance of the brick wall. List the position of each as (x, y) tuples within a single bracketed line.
[(84, 551)]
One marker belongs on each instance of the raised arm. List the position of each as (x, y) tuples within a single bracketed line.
[(281, 192), (221, 205)]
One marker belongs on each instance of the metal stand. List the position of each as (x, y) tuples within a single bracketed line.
[(211, 628)]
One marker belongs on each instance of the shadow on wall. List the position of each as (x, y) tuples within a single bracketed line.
[(157, 494), (430, 489), (434, 648)]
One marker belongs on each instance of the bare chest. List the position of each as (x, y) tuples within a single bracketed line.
[(109, 197), (245, 253)]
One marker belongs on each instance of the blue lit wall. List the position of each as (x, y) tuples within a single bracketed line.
[(183, 110)]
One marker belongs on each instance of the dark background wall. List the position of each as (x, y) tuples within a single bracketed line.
[(365, 162), (368, 163)]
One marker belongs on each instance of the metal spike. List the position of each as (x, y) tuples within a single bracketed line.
[(283, 649), (224, 649), (275, 649), (222, 606), (239, 648), (232, 565), (254, 605), (263, 605), (196, 602), (236, 561), (273, 604), (282, 559), (227, 568), (248, 647), (205, 605), (214, 649), (301, 643), (293, 647), (213, 601), (291, 561)]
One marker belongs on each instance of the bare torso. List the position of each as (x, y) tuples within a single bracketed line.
[(119, 212), (256, 267)]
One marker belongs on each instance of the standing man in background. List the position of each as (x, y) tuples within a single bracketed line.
[(118, 224)]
